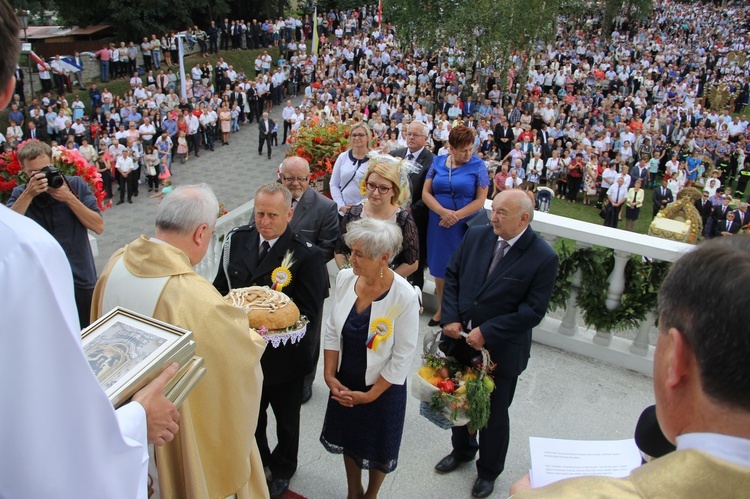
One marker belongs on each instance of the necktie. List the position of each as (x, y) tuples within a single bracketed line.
[(498, 255), (294, 202), (410, 157), (264, 247)]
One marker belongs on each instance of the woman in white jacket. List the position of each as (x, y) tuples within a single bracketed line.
[(369, 341)]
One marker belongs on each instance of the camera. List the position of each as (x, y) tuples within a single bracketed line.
[(55, 179)]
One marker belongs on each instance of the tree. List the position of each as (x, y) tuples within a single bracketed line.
[(494, 30)]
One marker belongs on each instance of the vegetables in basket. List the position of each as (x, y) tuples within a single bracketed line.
[(460, 393)]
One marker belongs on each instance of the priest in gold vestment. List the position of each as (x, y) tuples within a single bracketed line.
[(214, 455)]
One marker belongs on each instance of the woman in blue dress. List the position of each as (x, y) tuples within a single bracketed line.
[(455, 190)]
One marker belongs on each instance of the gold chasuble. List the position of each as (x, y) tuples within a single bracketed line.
[(214, 455), (683, 474)]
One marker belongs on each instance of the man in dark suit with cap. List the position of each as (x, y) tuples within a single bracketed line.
[(250, 255)]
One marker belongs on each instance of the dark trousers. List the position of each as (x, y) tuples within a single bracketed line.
[(194, 143), (494, 438), (146, 62), (285, 401), (214, 48), (287, 129), (126, 183), (252, 110), (59, 83), (83, 304), (612, 216), (263, 139), (421, 216), (209, 134)]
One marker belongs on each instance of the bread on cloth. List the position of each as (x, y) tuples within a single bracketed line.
[(265, 307)]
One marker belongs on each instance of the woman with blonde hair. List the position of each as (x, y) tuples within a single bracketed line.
[(350, 169), (385, 187)]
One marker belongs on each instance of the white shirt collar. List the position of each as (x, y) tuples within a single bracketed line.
[(271, 242), (416, 154), (735, 450), (512, 241)]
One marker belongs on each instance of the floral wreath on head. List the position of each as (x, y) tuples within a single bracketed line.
[(404, 167)]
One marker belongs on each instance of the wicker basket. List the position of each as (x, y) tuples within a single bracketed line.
[(424, 391)]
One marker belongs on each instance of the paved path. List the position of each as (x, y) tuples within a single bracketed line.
[(560, 395), (234, 172)]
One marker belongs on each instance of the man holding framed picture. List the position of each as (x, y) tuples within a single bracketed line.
[(60, 435)]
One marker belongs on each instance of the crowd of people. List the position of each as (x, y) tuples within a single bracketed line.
[(431, 138)]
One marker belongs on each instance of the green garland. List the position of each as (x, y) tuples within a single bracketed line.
[(642, 282)]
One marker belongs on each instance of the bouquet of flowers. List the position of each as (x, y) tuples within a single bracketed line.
[(453, 394), (320, 145), (68, 161)]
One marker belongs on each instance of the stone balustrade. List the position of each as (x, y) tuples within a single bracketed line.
[(238, 216), (565, 333)]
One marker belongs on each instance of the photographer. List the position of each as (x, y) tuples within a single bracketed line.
[(66, 211)]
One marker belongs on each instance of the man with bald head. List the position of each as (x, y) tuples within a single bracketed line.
[(316, 218), (497, 288)]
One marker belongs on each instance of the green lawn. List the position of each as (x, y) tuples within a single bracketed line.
[(591, 214), (240, 59)]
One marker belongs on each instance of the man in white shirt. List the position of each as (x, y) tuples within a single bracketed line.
[(208, 121), (265, 60), (701, 385), (287, 115), (196, 73), (147, 132), (135, 80), (126, 177), (193, 137)]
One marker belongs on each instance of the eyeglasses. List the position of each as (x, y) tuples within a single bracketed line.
[(358, 135), (298, 179), (382, 189)]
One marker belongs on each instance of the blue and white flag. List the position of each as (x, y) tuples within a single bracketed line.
[(69, 65)]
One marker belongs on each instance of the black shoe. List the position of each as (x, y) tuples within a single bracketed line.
[(306, 393), (448, 464), (130, 201), (135, 194), (433, 323), (277, 487), (482, 488), (120, 202)]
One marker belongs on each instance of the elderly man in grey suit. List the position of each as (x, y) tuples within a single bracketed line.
[(416, 141), (316, 218)]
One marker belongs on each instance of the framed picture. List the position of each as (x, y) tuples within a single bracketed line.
[(127, 350)]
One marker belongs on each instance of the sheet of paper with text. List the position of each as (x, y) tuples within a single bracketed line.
[(554, 459)]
